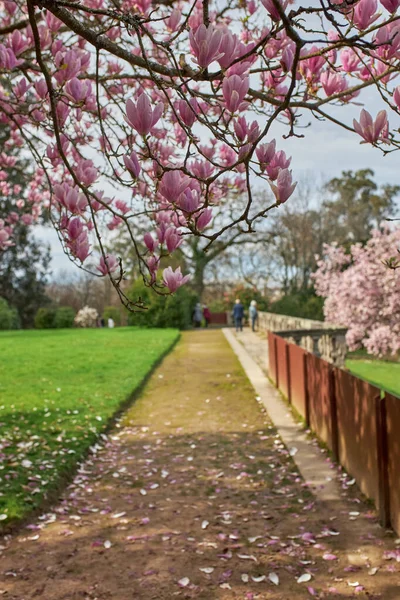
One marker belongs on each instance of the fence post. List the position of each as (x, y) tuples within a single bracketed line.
[(306, 392), (289, 381), (276, 362), (333, 415), (383, 461)]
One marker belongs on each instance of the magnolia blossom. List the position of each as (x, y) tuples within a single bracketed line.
[(174, 279), (108, 264), (86, 317), (157, 119), (141, 116), (369, 129), (284, 186), (362, 293)]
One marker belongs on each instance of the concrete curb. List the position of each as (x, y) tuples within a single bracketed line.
[(314, 468)]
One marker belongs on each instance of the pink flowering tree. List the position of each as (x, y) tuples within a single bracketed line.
[(362, 293), (150, 109)]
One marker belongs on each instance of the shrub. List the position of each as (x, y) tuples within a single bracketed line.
[(113, 313), (306, 306), (86, 317), (9, 318), (246, 294), (162, 311), (64, 318), (45, 318)]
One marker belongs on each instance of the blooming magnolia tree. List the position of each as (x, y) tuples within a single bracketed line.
[(362, 293), (158, 110), (86, 317)]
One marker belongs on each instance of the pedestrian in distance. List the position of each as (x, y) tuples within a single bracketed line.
[(206, 314), (111, 323), (238, 314), (197, 315), (253, 314)]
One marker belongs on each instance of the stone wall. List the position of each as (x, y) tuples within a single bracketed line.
[(322, 339)]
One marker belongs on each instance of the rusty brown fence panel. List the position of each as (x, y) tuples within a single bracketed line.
[(321, 414), (272, 358), (357, 405), (393, 452), (283, 366), (298, 383)]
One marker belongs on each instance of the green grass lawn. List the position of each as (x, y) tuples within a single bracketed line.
[(58, 390), (382, 373)]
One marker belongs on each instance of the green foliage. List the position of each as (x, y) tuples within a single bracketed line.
[(58, 391), (245, 294), (112, 312), (45, 318), (8, 316), (64, 317), (162, 311), (24, 265), (305, 305), (217, 306)]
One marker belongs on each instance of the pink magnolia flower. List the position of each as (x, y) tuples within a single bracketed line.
[(391, 5), (173, 184), (141, 116), (174, 279), (77, 90), (265, 153), (86, 172), (151, 244), (396, 97), (273, 11), (278, 162), (350, 60), (234, 90), (204, 219), (69, 65), (229, 47), (109, 264), (332, 83), (8, 60), (5, 241), (174, 19), (311, 67), (132, 164), (365, 13), (172, 239), (205, 43), (284, 187), (189, 201), (369, 129), (18, 42), (202, 169), (71, 198), (188, 111)]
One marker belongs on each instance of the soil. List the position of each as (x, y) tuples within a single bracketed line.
[(193, 495)]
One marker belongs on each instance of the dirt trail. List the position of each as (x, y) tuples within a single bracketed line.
[(193, 495)]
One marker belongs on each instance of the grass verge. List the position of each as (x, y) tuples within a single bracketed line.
[(58, 391), (381, 373)]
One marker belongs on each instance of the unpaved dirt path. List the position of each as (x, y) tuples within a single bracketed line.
[(193, 495)]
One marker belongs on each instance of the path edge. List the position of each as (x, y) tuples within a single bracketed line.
[(319, 475)]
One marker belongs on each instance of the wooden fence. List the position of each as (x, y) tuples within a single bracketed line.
[(359, 423)]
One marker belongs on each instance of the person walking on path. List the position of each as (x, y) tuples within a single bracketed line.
[(238, 314), (206, 314), (197, 315), (253, 313)]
